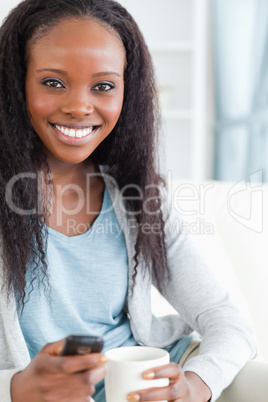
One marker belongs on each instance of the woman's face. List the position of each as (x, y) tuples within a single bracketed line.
[(74, 88)]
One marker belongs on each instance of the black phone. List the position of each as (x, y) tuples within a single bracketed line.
[(82, 345)]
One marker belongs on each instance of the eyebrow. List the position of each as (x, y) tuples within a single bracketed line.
[(62, 72)]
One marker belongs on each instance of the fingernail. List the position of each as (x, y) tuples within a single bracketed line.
[(149, 376), (133, 397), (102, 359)]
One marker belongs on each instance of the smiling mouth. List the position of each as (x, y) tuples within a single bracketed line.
[(75, 132)]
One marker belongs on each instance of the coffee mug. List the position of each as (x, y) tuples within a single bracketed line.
[(125, 367)]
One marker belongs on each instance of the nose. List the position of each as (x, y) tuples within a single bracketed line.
[(77, 105)]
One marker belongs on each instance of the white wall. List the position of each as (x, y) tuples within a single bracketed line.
[(177, 34), (6, 6)]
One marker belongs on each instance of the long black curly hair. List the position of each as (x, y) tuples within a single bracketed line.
[(129, 151)]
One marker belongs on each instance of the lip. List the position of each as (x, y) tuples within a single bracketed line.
[(73, 140)]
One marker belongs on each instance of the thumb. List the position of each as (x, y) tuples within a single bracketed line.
[(53, 348)]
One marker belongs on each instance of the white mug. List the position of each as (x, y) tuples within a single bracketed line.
[(125, 367)]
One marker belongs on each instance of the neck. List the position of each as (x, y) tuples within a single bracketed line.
[(65, 173)]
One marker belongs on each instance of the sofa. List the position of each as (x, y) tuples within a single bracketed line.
[(228, 222)]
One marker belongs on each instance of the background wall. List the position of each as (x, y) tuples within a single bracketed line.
[(176, 32), (196, 61), (6, 6)]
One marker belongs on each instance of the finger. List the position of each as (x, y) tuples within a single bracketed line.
[(83, 380), (95, 375), (170, 393), (75, 364), (69, 364), (172, 371), (53, 348)]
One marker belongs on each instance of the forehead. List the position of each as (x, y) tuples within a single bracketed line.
[(78, 37)]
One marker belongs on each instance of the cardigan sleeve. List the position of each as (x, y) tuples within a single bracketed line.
[(5, 384)]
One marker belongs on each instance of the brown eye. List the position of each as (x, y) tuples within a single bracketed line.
[(103, 87), (52, 84)]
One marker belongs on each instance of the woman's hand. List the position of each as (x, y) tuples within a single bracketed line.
[(183, 386), (51, 377)]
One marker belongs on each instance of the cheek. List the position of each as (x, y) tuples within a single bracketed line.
[(112, 110), (39, 106)]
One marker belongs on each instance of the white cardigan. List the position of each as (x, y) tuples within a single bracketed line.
[(202, 305)]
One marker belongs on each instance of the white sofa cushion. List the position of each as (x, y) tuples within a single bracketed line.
[(228, 223)]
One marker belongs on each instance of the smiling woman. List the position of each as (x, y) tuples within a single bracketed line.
[(78, 134)]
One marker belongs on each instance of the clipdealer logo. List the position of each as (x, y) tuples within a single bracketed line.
[(245, 202)]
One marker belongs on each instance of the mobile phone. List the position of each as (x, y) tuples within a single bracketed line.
[(82, 345)]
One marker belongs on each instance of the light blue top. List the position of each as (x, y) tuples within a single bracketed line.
[(201, 302), (88, 274)]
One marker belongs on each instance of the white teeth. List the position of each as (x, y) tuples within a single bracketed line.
[(72, 132), (79, 133)]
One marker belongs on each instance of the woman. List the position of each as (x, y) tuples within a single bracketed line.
[(78, 136)]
